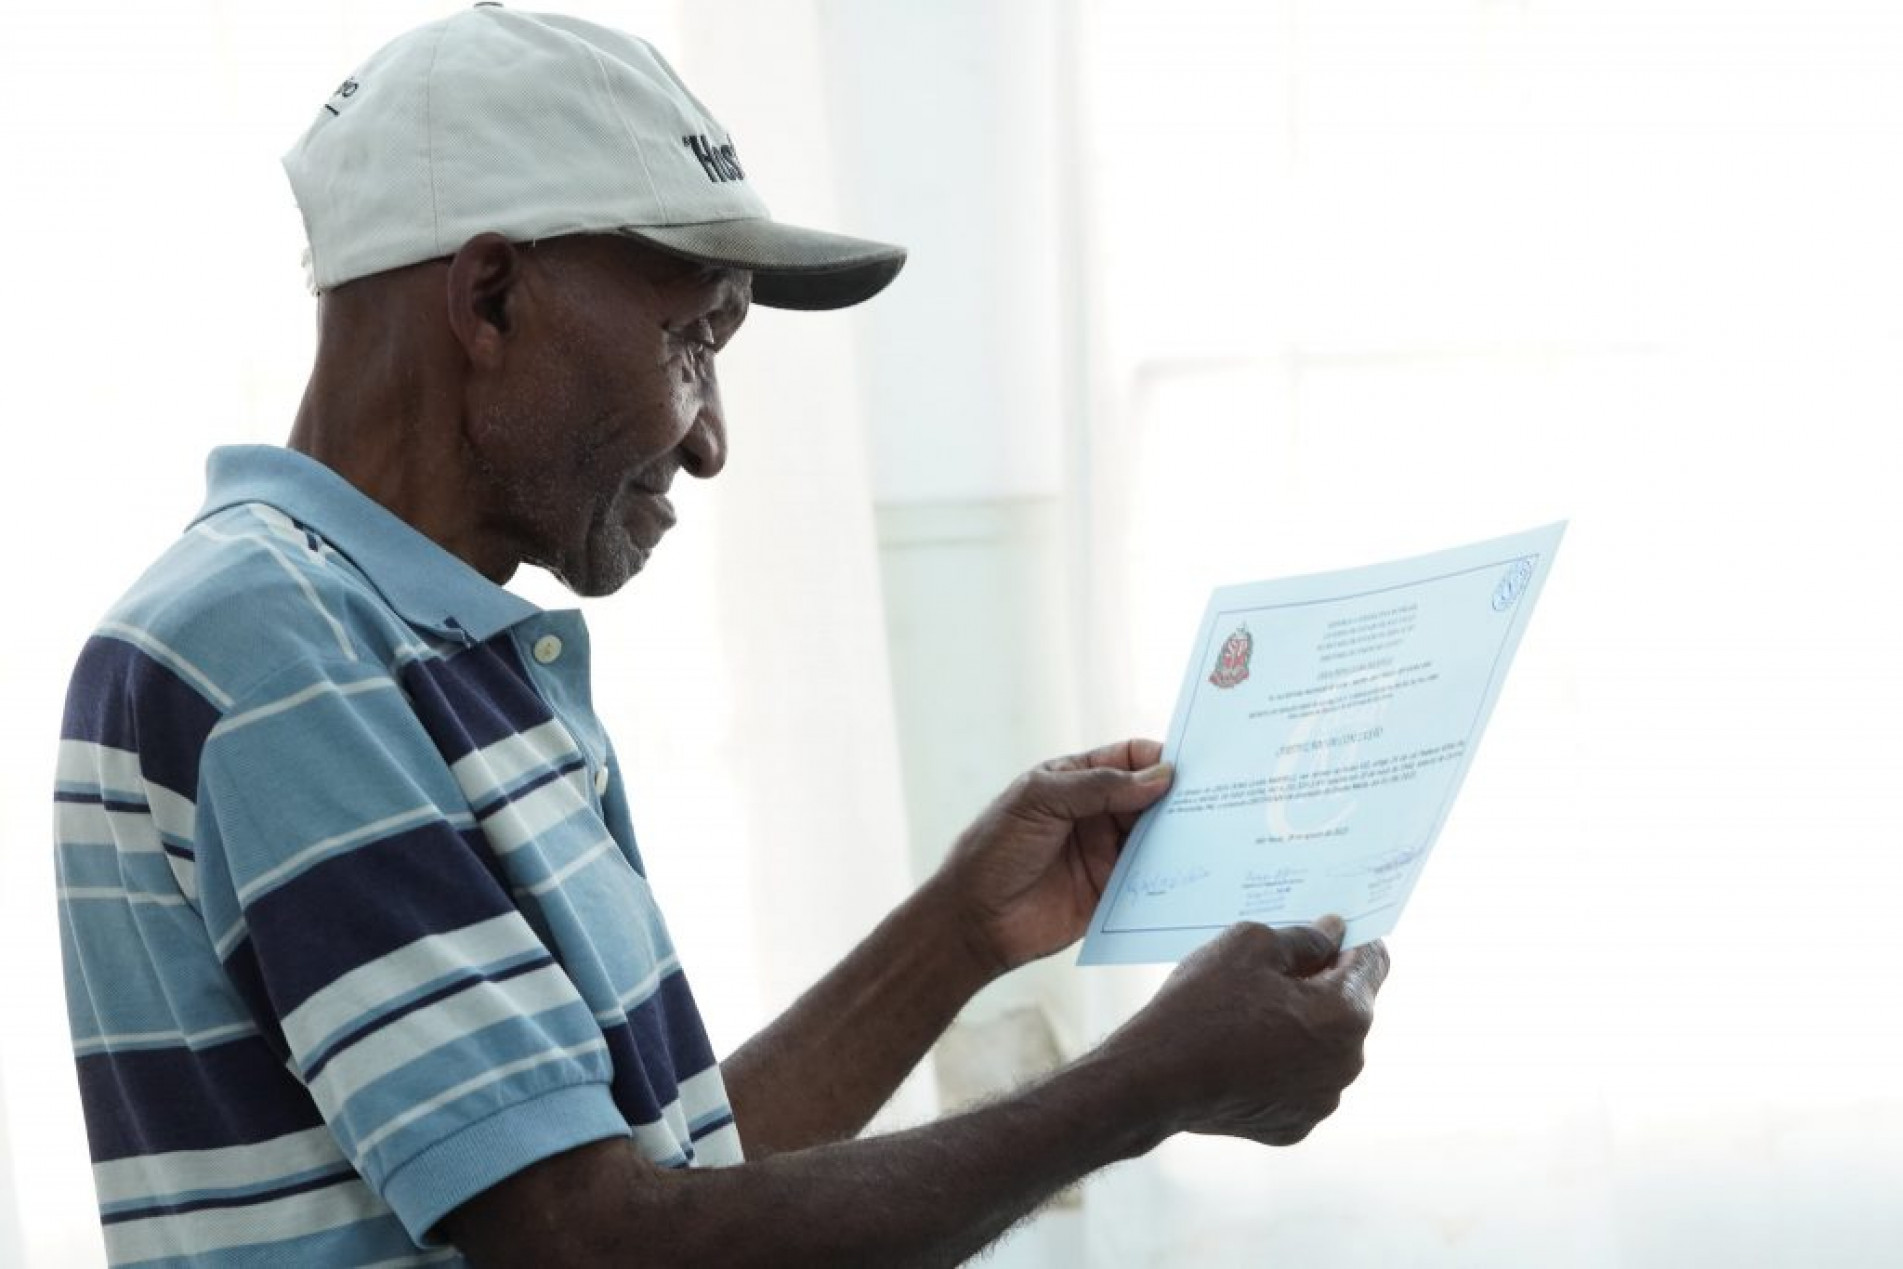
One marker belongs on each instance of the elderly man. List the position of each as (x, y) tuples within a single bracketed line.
[(362, 960)]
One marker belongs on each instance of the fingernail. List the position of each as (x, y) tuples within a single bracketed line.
[(1333, 926), (1161, 771)]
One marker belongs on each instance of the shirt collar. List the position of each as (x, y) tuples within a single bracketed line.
[(426, 584)]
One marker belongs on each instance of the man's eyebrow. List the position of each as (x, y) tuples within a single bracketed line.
[(713, 274)]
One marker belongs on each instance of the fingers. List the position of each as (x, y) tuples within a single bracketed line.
[(1119, 779), (1076, 793), (1360, 972), (1128, 755), (1133, 754)]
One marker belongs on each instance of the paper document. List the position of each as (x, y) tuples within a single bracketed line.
[(1324, 727)]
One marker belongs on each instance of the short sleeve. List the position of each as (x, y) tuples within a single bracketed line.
[(354, 903)]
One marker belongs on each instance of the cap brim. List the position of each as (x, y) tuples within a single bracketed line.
[(793, 267)]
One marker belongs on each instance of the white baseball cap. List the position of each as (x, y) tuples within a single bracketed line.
[(534, 126)]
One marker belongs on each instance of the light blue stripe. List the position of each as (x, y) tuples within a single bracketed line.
[(329, 788), (158, 1200), (394, 1002), (141, 872), (378, 1239), (467, 1058)]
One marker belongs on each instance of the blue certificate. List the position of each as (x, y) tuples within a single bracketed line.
[(1323, 729)]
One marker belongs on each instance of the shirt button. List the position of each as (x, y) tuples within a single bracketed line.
[(547, 649), (601, 780)]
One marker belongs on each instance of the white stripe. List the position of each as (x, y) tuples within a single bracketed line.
[(404, 653), (87, 824), (282, 526), (214, 1229), (415, 1037), (703, 1094), (721, 1148), (365, 990), (495, 768), (573, 866), (205, 528), (661, 1141), (102, 766), (90, 824), (217, 535), (335, 844), (493, 1075), (158, 1177), (161, 1040), (675, 1120), (223, 944), (132, 634), (670, 1137), (513, 826), (176, 817), (73, 894), (116, 771), (310, 593), (233, 722), (278, 524)]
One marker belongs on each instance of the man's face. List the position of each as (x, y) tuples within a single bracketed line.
[(607, 392)]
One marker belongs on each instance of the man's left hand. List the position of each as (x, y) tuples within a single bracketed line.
[(1028, 873)]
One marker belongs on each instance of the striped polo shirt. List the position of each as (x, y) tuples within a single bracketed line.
[(353, 918)]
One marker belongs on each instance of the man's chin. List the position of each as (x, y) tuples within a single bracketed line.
[(604, 573)]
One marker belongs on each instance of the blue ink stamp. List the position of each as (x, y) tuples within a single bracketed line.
[(1513, 585)]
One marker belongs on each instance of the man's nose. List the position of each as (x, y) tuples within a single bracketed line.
[(704, 448)]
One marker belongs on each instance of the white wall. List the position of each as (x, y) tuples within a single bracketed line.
[(1382, 276)]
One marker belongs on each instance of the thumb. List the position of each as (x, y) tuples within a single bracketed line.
[(1307, 950), (1097, 790)]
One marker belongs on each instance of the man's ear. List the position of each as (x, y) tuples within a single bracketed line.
[(483, 279)]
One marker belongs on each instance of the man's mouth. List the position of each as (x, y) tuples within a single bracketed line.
[(649, 508)]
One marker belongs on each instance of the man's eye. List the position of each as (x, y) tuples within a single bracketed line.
[(699, 333)]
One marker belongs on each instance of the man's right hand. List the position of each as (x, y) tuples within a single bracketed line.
[(1255, 1034)]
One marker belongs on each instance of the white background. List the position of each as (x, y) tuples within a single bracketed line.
[(1201, 293)]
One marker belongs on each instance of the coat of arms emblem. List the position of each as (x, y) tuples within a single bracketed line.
[(1232, 663)]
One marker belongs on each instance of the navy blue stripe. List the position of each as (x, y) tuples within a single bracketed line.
[(96, 799), (663, 1042), (242, 968), (152, 1101), (710, 1127), (487, 809), (368, 902), (122, 698), (677, 1026), (444, 992), (637, 1071), (179, 852), (474, 697), (323, 1182)]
